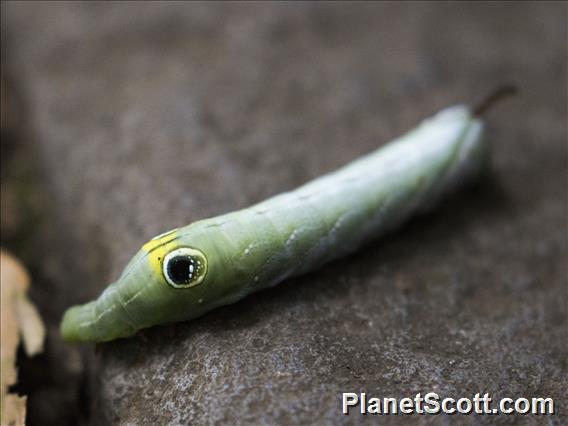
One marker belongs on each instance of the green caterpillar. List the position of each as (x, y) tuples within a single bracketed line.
[(188, 271)]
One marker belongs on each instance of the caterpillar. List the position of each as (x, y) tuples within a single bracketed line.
[(183, 273)]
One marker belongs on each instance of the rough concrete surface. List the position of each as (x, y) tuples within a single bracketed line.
[(145, 117)]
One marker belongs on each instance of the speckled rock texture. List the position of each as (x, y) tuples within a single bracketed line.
[(145, 117)]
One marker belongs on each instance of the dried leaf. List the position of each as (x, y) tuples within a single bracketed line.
[(18, 318)]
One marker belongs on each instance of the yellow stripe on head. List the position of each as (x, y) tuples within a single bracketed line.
[(158, 247)]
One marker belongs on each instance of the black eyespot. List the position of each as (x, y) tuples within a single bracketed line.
[(184, 267), (181, 269)]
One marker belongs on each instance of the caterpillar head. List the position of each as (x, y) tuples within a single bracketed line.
[(163, 282)]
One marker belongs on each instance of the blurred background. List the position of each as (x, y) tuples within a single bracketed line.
[(123, 120)]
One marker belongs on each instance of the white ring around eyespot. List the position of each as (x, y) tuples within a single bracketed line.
[(185, 251)]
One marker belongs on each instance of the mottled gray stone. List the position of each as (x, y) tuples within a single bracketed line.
[(150, 116)]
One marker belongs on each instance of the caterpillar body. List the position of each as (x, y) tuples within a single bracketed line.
[(186, 272)]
